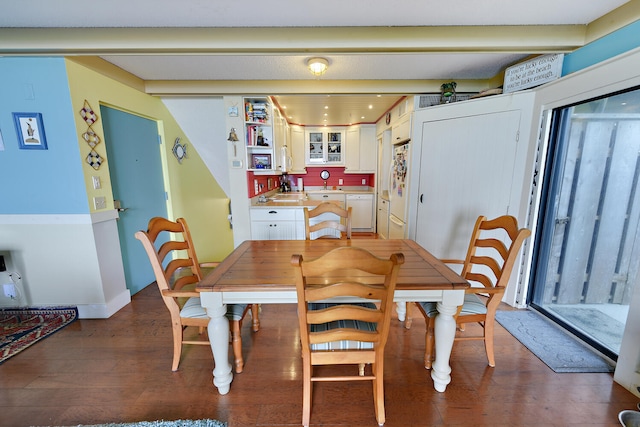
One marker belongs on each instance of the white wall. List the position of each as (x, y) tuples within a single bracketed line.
[(74, 270), (201, 120)]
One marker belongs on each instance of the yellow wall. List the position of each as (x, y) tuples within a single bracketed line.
[(193, 192)]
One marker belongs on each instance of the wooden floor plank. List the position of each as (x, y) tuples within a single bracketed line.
[(119, 370)]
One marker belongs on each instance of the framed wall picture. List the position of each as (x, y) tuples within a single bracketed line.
[(261, 161), (30, 131)]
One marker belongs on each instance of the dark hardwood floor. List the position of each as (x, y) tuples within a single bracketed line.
[(118, 370)]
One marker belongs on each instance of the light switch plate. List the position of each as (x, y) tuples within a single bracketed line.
[(96, 182)]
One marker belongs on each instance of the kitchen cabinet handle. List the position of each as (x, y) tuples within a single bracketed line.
[(421, 198), (273, 212)]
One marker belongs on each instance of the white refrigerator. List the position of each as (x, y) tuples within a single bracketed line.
[(398, 191)]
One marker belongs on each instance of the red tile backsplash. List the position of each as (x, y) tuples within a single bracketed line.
[(311, 179)]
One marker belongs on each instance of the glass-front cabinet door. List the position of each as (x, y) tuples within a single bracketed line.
[(316, 147), (324, 147), (334, 149)]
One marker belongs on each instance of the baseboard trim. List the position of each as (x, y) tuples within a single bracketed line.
[(104, 311)]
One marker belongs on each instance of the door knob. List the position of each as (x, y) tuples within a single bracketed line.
[(117, 205)]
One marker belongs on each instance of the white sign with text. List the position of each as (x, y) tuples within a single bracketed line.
[(532, 73)]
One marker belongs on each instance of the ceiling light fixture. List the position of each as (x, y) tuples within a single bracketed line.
[(317, 66)]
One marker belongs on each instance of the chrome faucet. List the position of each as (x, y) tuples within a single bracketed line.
[(325, 185)]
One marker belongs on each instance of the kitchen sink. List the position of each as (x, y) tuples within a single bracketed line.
[(288, 197), (326, 191)]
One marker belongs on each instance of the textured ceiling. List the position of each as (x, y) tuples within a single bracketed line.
[(374, 47)]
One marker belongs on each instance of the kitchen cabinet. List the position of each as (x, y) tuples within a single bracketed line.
[(281, 135), (277, 223), (297, 150), (258, 135), (401, 131), (361, 211), (327, 197), (361, 151), (324, 147)]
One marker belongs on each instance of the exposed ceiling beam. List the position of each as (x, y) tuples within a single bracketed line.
[(263, 41), (306, 87)]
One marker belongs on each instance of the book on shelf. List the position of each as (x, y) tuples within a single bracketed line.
[(256, 137), (256, 112)]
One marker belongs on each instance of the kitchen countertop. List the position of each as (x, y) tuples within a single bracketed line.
[(303, 202), (298, 204)]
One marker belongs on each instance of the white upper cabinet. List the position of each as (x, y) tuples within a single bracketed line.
[(324, 146), (282, 159), (401, 131), (297, 150), (361, 150)]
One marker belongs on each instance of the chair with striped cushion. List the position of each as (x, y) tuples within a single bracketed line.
[(345, 300), (177, 273), (487, 267), (330, 221)]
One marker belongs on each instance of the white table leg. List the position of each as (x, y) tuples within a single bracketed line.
[(401, 309), (445, 332), (218, 330)]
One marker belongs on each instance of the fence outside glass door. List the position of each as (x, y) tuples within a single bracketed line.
[(590, 243)]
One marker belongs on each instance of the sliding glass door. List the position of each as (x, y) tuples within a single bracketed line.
[(589, 250)]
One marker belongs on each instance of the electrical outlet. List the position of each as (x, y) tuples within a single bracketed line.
[(9, 290), (340, 181), (100, 202), (364, 181)]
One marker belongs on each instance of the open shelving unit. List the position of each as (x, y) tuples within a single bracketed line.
[(258, 133)]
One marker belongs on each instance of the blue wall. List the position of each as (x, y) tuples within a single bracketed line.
[(620, 41), (39, 181)]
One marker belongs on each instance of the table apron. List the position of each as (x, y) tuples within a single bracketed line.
[(447, 297)]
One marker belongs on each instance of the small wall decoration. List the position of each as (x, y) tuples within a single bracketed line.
[(179, 150), (91, 138), (261, 161), (30, 131), (533, 72)]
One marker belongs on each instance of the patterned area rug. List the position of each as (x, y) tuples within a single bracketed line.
[(177, 423), (550, 343), (23, 327)]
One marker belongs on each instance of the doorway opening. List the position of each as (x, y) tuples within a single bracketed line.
[(589, 228)]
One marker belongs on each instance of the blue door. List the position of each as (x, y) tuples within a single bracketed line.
[(133, 157)]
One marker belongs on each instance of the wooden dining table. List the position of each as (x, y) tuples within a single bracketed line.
[(260, 272)]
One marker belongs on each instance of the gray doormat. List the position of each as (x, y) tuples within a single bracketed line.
[(550, 343)]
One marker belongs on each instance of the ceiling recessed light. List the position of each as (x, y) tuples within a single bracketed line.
[(370, 106)]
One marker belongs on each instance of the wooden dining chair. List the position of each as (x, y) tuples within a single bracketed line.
[(327, 228), (177, 273), (333, 333), (487, 267)]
